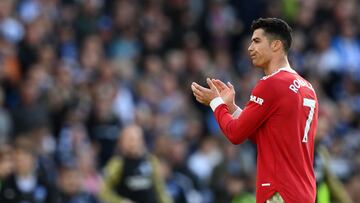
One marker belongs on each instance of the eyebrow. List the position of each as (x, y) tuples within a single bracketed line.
[(255, 38)]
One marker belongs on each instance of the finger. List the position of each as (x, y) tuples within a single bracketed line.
[(195, 86), (192, 87), (230, 85), (211, 84), (218, 85), (196, 91), (197, 95), (198, 98), (200, 88)]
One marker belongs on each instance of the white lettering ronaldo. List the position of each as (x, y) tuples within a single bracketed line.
[(298, 83)]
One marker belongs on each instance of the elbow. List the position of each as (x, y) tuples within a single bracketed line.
[(234, 140)]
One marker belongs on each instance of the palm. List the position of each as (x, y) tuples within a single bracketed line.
[(205, 95), (226, 92), (227, 95)]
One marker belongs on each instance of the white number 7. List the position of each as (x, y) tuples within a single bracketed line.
[(309, 103)]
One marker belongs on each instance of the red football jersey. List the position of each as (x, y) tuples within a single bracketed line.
[(281, 118)]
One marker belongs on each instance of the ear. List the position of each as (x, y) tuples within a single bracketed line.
[(276, 45)]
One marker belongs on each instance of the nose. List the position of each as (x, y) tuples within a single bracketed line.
[(251, 48)]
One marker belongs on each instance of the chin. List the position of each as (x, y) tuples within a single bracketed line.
[(256, 65)]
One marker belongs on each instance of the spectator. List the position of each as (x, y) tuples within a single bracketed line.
[(203, 161), (31, 113), (174, 184), (91, 179), (71, 190), (230, 178), (133, 176), (25, 185)]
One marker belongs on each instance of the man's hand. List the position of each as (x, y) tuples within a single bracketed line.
[(205, 95), (227, 93)]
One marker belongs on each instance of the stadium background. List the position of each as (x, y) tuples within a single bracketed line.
[(74, 72)]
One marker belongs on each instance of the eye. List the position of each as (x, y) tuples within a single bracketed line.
[(256, 40)]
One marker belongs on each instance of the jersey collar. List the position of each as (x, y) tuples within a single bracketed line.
[(288, 69)]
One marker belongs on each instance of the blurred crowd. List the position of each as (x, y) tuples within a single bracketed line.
[(93, 91)]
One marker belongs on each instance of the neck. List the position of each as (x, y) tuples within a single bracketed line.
[(276, 64)]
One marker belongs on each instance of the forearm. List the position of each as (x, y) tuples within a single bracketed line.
[(228, 123), (231, 127)]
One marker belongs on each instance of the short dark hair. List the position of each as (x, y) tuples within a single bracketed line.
[(276, 29)]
